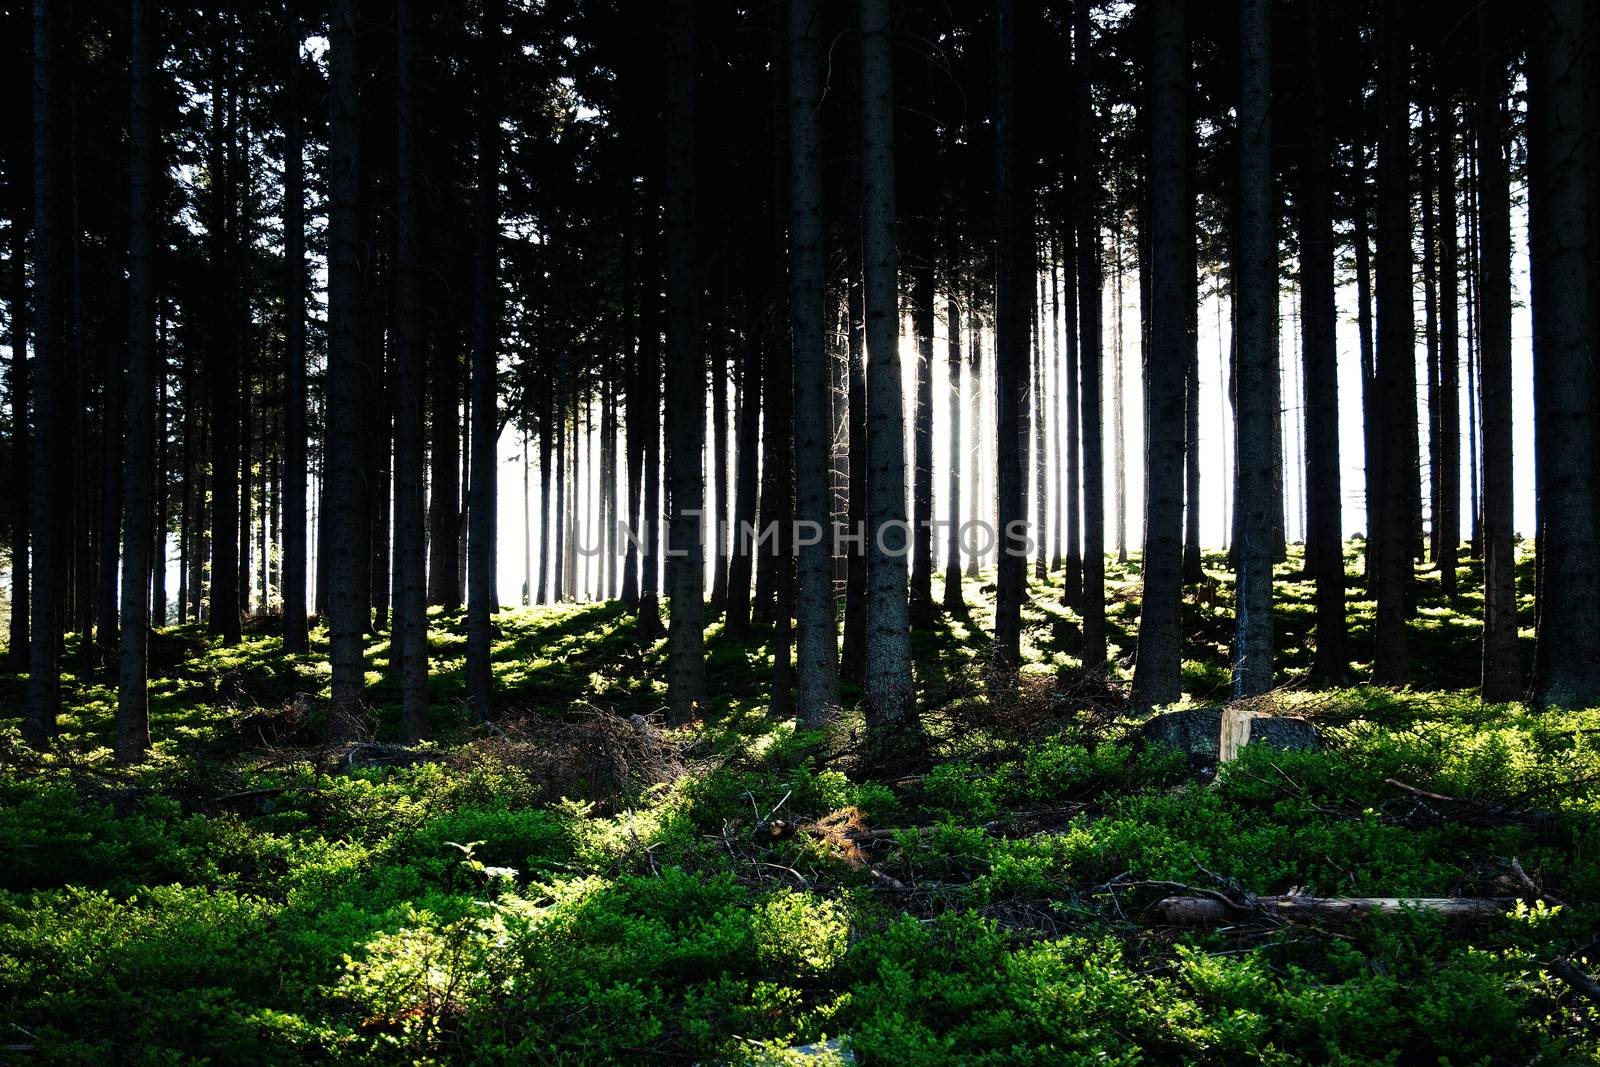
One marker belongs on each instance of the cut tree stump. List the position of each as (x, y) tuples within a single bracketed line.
[(1209, 911), (1218, 733)]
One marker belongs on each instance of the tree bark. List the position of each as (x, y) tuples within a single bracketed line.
[(1448, 475), (686, 423), (1566, 667), (223, 366), (408, 632), (1396, 360), (1324, 536), (1257, 323), (1157, 678), (1502, 671), (1090, 290), (133, 713), (891, 712), (21, 428), (1013, 300), (347, 519), (482, 597), (49, 455), (295, 432), (953, 600), (816, 635)]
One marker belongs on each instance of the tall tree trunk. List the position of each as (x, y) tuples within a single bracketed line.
[(1448, 518), (347, 521), (816, 634), (922, 319), (162, 488), (1013, 300), (686, 423), (482, 597), (1257, 295), (1566, 668), (746, 489), (295, 432), (1157, 678), (408, 633), (953, 600), (650, 429), (1371, 440), (634, 447), (1502, 670), (223, 367), (133, 712), (50, 452), (891, 711), (1324, 535), (1072, 580), (1396, 360), (853, 657), (21, 430), (1193, 571), (1090, 292)]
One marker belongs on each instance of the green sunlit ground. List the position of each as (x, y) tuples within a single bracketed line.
[(247, 897)]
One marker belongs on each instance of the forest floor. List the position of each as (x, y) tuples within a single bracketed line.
[(574, 885)]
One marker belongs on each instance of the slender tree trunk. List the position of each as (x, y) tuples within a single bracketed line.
[(816, 634), (1257, 318), (1072, 579), (223, 371), (1430, 319), (1566, 666), (736, 618), (548, 430), (1372, 441), (891, 711), (1324, 536), (953, 600), (347, 522), (112, 457), (634, 447), (133, 713), (686, 424), (1090, 291), (650, 429), (922, 320), (50, 451), (1119, 405), (408, 633), (719, 453), (295, 432), (162, 489), (21, 429), (1157, 678), (980, 497), (853, 657), (1474, 338), (1396, 362), (1039, 425), (1502, 671), (1013, 289), (1193, 571), (1448, 518)]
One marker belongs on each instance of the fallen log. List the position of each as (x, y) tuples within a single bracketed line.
[(1210, 910)]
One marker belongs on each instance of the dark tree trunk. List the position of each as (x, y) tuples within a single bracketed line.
[(1447, 518), (1372, 441), (133, 712), (1324, 533), (1013, 300), (1566, 666), (1502, 670), (1157, 678), (1257, 294), (1090, 287), (736, 609), (295, 431), (634, 448), (953, 600), (1072, 579), (49, 455), (922, 316), (650, 429), (719, 452), (223, 369), (347, 517), (891, 710), (853, 656), (162, 487), (686, 424), (482, 597), (409, 630), (21, 429), (816, 634), (1396, 366)]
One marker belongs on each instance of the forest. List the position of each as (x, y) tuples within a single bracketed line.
[(811, 531)]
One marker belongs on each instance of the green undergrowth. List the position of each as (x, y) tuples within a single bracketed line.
[(250, 895)]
